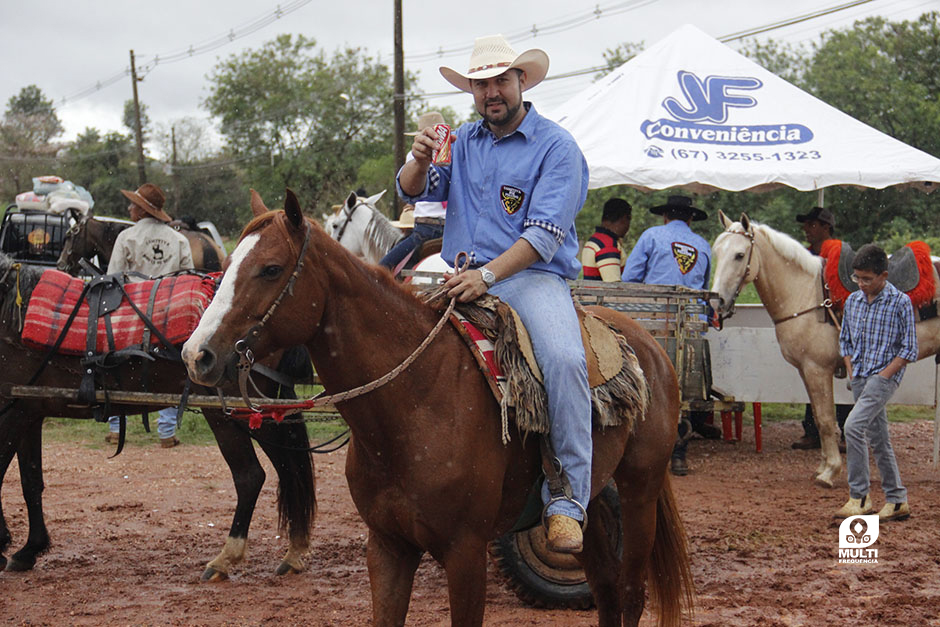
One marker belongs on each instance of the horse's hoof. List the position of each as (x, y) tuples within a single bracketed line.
[(3, 562), (212, 575), (821, 481), (286, 569), (17, 566)]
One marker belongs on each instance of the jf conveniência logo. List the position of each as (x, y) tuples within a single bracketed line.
[(703, 117), (856, 535)]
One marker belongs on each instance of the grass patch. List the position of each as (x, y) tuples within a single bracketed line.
[(194, 430), (782, 412)]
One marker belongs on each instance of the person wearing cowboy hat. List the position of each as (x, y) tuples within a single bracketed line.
[(672, 254), (427, 218), (819, 225), (514, 186), (152, 248)]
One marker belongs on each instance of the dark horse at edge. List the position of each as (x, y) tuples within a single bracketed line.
[(21, 434), (427, 468)]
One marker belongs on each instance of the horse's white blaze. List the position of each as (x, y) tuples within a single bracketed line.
[(221, 303)]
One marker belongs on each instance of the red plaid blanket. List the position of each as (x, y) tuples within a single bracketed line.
[(177, 308)]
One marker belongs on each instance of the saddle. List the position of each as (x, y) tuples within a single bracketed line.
[(502, 348), (910, 269)]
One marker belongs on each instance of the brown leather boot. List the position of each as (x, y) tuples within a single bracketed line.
[(169, 442), (564, 534), (112, 437), (806, 443)]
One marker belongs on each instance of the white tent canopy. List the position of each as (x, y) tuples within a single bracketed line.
[(691, 112)]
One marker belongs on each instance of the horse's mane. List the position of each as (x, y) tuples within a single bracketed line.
[(783, 244), (12, 282), (380, 234)]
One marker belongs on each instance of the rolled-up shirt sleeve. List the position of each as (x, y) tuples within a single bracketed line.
[(556, 198), (436, 186)]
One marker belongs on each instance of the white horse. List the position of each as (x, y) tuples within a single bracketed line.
[(365, 231), (787, 278), (361, 228)]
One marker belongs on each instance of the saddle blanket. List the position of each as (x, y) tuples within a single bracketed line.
[(910, 269), (501, 347), (178, 304)]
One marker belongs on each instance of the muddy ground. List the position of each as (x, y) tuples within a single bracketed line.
[(131, 537)]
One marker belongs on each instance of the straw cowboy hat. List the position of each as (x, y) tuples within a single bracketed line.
[(683, 206), (150, 198), (491, 56), (406, 220), (428, 120)]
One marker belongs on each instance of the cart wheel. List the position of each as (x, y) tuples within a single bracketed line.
[(542, 578)]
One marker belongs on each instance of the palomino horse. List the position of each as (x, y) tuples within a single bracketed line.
[(788, 279), (361, 228), (89, 237), (427, 468), (21, 434)]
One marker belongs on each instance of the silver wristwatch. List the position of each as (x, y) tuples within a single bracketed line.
[(488, 277)]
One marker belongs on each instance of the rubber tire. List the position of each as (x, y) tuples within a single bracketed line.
[(568, 589)]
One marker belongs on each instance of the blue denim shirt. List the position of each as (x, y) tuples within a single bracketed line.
[(873, 334), (670, 254), (529, 184)]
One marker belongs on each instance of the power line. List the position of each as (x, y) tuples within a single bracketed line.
[(193, 50), (535, 30)]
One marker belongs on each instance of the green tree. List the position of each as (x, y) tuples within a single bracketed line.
[(129, 119), (29, 125), (102, 164), (303, 119)]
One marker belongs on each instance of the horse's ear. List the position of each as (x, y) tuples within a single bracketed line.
[(374, 199), (292, 208), (257, 205), (725, 220), (351, 200), (746, 223)]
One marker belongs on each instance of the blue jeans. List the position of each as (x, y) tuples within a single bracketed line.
[(543, 302), (166, 423), (868, 424), (419, 235)]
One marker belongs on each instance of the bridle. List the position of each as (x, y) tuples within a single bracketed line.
[(68, 244), (747, 271), (826, 304), (349, 214), (246, 357)]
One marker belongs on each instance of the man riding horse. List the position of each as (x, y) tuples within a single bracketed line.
[(512, 203)]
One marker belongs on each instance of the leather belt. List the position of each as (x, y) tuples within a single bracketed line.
[(434, 221)]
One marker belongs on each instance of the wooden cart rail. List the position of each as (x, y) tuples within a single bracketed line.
[(120, 397)]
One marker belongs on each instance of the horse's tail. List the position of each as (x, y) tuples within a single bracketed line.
[(671, 588)]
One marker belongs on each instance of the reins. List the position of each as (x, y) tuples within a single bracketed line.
[(280, 409)]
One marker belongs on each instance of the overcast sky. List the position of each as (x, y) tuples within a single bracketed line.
[(68, 46)]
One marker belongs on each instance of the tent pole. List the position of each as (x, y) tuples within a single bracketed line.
[(820, 196)]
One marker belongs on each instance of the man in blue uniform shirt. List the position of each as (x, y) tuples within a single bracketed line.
[(672, 254), (513, 189)]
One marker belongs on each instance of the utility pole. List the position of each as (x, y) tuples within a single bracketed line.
[(141, 172), (176, 176), (399, 104)]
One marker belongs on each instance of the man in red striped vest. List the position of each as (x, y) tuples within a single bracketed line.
[(602, 258)]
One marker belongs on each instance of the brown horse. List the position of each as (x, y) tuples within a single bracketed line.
[(426, 467), (21, 434), (89, 237)]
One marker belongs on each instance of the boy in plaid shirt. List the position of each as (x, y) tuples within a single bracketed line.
[(877, 341)]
